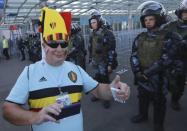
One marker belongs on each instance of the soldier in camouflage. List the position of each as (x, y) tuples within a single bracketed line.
[(103, 21), (149, 59), (177, 77), (102, 52), (77, 50)]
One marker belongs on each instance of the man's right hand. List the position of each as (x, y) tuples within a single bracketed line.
[(46, 114)]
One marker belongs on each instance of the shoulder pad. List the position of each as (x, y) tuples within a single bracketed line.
[(168, 25), (141, 34), (174, 36), (177, 36)]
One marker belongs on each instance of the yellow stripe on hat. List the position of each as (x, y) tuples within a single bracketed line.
[(43, 102)]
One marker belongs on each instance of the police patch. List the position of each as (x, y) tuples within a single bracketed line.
[(72, 76)]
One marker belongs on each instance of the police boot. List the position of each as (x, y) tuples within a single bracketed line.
[(139, 118), (143, 109), (23, 59), (158, 128), (159, 112), (106, 104), (175, 105)]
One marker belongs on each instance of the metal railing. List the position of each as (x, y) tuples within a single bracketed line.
[(124, 40)]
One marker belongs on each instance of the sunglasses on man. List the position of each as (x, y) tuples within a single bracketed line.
[(55, 44)]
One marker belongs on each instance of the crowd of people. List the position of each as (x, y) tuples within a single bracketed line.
[(53, 86), (23, 47)]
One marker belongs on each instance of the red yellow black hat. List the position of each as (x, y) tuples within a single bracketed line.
[(55, 26)]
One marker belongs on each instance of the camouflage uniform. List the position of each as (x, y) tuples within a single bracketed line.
[(146, 50), (102, 54), (152, 53), (177, 77), (77, 49)]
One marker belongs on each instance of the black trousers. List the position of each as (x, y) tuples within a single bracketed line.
[(22, 54), (159, 105), (5, 53), (102, 76), (177, 85)]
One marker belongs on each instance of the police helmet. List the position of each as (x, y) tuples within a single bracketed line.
[(182, 7), (75, 28), (154, 8), (106, 24), (95, 14)]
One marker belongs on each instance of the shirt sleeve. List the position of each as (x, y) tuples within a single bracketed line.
[(89, 83), (20, 91)]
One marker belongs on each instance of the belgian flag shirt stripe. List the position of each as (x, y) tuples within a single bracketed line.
[(65, 111), (43, 102), (45, 97), (47, 92)]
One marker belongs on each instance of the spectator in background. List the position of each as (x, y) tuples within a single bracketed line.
[(5, 48), (21, 47)]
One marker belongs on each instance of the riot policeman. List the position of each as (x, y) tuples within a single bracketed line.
[(102, 52), (77, 51), (21, 47), (148, 61), (104, 22), (177, 77)]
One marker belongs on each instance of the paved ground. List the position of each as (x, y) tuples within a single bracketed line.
[(117, 118)]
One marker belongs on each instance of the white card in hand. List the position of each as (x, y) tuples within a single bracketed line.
[(114, 94)]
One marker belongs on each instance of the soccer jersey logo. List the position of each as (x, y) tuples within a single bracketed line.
[(72, 76), (42, 79)]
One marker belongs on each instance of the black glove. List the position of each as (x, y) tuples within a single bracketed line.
[(152, 70), (90, 60), (139, 76)]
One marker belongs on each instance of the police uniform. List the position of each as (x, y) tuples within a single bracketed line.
[(102, 54), (77, 49), (41, 85), (146, 50), (148, 62), (176, 75), (21, 47)]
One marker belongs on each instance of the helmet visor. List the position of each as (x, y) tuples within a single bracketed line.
[(151, 8)]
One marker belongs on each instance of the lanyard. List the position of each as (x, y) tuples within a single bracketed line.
[(58, 78)]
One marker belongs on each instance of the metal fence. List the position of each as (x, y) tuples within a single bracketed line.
[(124, 40)]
